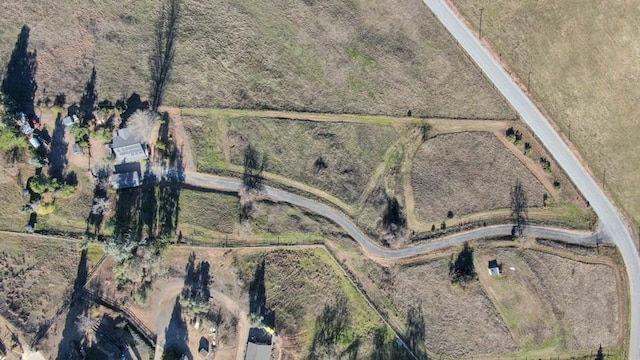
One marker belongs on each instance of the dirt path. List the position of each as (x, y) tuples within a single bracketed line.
[(161, 314), (533, 166), (181, 138)]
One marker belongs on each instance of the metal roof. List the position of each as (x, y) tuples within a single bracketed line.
[(258, 352), (125, 180)]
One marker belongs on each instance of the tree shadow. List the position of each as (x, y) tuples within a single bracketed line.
[(127, 207), (462, 270), (148, 203), (254, 164), (519, 205), (196, 293), (416, 332), (88, 100), (330, 326), (98, 208), (68, 346), (258, 296), (169, 195), (176, 335), (58, 151), (161, 60), (133, 104), (19, 85)]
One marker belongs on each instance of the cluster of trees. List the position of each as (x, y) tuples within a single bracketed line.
[(138, 262), (196, 294)]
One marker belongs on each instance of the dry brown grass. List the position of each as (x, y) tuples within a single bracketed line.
[(459, 321), (350, 151), (37, 276), (298, 285), (332, 56), (553, 304), (468, 173), (581, 59)]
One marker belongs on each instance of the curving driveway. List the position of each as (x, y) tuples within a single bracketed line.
[(370, 246), (612, 224)]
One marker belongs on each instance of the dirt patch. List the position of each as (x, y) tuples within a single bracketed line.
[(551, 303), (467, 173)]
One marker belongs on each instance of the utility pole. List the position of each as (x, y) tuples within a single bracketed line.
[(604, 176), (528, 80), (480, 32)]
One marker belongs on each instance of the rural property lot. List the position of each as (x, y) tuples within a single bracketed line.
[(37, 276), (581, 60), (351, 56), (468, 173), (553, 304), (338, 158)]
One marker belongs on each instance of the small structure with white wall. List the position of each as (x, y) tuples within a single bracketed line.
[(494, 267)]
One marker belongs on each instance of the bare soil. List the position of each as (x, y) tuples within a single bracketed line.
[(332, 56), (467, 173)]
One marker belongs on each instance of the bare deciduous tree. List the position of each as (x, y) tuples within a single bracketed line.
[(144, 124), (100, 206)]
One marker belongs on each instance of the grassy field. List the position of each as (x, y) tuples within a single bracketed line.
[(37, 276), (580, 60), (351, 56), (468, 173), (298, 285), (549, 302), (459, 321), (338, 158), (209, 209)]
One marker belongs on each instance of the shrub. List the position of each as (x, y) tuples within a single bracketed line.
[(39, 184), (37, 161), (46, 209), (450, 214), (67, 190)]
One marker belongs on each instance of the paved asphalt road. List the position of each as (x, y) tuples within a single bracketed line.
[(234, 185), (611, 222)]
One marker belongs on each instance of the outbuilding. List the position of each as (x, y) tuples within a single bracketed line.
[(494, 267)]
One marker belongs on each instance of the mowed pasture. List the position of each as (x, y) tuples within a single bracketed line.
[(38, 275), (352, 56), (338, 158), (468, 173), (580, 58), (550, 303)]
